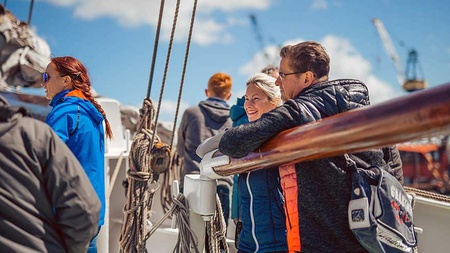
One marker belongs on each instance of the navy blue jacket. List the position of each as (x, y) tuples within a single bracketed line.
[(261, 211), (260, 201)]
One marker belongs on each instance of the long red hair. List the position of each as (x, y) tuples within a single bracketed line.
[(69, 66)]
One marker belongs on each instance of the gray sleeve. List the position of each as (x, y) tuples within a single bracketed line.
[(75, 203)]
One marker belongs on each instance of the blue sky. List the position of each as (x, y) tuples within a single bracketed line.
[(115, 40)]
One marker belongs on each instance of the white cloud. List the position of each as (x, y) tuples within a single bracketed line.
[(319, 4), (63, 2), (209, 31), (168, 108), (346, 62), (132, 13), (270, 55), (233, 5)]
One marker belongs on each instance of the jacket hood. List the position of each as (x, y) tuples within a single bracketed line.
[(215, 110), (9, 114), (83, 103), (237, 111)]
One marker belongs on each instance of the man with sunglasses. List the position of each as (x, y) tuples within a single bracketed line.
[(316, 192)]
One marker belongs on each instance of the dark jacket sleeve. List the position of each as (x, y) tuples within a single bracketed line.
[(241, 140), (74, 200), (394, 162)]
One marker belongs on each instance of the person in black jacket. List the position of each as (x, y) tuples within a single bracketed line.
[(316, 192), (47, 202)]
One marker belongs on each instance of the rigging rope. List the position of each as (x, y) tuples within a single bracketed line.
[(173, 173), (177, 164), (166, 67), (186, 57), (143, 160), (186, 238), (114, 176), (428, 194), (216, 231), (30, 12), (155, 48), (139, 195)]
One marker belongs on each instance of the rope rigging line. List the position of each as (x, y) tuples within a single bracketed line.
[(216, 231), (166, 67), (428, 194), (139, 195), (114, 176), (186, 57), (173, 173), (155, 49), (148, 159), (187, 241), (177, 164), (30, 12)]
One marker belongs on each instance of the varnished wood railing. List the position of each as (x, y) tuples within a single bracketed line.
[(413, 116)]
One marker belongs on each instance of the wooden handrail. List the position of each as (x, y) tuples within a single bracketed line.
[(420, 114)]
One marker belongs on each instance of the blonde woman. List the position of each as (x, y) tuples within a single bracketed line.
[(261, 206)]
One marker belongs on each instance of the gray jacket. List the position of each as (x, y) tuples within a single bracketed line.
[(324, 185), (200, 122), (47, 202)]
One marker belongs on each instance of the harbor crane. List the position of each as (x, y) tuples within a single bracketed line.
[(269, 57), (259, 37), (407, 79)]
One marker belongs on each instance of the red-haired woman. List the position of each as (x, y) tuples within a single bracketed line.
[(78, 120)]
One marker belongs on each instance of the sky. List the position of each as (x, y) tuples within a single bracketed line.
[(115, 39)]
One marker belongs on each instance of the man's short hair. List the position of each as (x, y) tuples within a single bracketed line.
[(220, 84), (307, 56)]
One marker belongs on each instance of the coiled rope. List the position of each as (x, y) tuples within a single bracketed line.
[(216, 230), (187, 240), (139, 195), (137, 209), (135, 230)]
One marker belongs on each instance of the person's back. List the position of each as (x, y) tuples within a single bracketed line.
[(47, 202), (202, 121)]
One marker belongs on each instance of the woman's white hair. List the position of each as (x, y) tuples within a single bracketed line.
[(267, 85)]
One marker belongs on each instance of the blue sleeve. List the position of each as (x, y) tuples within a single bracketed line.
[(74, 200), (63, 120)]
